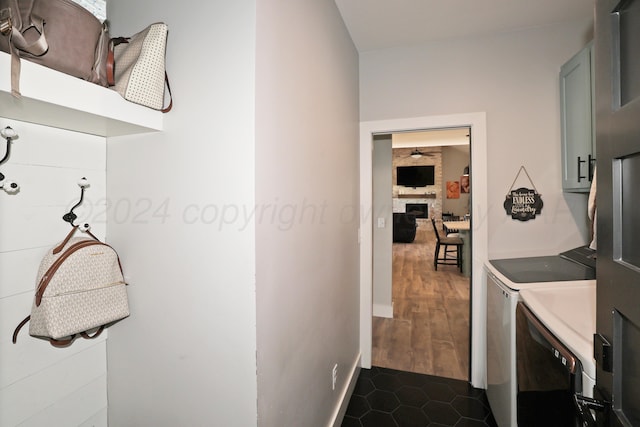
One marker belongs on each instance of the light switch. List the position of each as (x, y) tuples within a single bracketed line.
[(380, 222)]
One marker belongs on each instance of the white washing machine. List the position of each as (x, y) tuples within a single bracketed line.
[(505, 281)]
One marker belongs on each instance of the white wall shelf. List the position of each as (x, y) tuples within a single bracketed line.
[(59, 100)]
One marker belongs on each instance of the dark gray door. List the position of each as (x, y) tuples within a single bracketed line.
[(617, 50)]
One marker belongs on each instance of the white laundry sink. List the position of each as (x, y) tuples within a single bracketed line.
[(569, 312)]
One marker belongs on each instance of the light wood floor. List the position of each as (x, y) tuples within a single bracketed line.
[(429, 332)]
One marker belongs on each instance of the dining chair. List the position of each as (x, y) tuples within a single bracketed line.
[(451, 245)]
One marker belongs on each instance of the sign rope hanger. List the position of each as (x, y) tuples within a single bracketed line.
[(523, 203)]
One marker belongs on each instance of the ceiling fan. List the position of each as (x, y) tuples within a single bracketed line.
[(416, 154)]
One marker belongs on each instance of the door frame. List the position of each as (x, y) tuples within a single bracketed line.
[(479, 211)]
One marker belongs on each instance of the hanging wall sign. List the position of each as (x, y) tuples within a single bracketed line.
[(524, 203)]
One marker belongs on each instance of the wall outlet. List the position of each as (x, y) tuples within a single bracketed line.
[(334, 376)]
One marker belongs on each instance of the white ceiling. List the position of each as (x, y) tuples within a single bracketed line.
[(379, 24), (431, 138)]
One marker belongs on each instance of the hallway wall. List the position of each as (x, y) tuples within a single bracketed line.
[(307, 181), (187, 354), (244, 273)]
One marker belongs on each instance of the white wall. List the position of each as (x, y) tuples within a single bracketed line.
[(513, 77), (382, 236), (454, 160), (307, 183), (39, 384), (187, 354)]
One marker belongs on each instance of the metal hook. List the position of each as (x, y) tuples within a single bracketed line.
[(70, 216), (10, 135)]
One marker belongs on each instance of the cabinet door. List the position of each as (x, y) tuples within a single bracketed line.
[(578, 151)]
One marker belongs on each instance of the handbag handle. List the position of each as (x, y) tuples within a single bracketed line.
[(62, 244), (58, 248), (111, 64), (36, 48)]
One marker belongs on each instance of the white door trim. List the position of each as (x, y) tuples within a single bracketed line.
[(479, 212)]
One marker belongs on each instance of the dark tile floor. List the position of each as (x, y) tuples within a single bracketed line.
[(389, 398)]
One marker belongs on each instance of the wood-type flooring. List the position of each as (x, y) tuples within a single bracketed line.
[(429, 332)]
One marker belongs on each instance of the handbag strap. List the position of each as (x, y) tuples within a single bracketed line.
[(15, 72), (62, 244), (62, 343), (168, 107), (48, 275), (17, 330), (111, 64), (17, 43), (55, 342), (68, 341), (36, 48), (85, 335)]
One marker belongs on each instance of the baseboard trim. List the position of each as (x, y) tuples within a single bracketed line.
[(380, 310), (347, 391)]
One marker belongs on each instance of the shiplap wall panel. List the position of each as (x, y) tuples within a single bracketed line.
[(41, 384), (47, 146), (29, 354), (99, 419), (16, 271), (75, 409), (22, 400), (34, 215)]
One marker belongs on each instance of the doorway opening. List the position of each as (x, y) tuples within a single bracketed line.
[(476, 122), (421, 313)]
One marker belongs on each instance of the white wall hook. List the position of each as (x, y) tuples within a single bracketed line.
[(10, 135)]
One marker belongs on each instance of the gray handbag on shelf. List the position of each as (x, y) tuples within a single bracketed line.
[(58, 34)]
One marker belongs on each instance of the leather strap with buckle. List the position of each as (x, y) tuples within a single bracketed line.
[(5, 22)]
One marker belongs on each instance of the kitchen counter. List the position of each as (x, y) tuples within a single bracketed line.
[(569, 312)]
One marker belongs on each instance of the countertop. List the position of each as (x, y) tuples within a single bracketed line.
[(569, 312)]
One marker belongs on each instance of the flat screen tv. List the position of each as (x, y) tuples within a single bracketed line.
[(415, 176)]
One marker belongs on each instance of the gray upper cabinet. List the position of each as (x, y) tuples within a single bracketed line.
[(577, 123)]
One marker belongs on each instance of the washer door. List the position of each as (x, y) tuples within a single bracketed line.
[(548, 375)]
